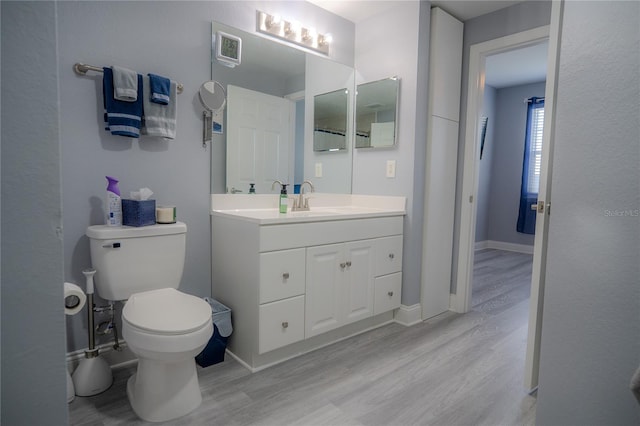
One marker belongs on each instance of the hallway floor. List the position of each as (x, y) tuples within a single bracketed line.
[(450, 370)]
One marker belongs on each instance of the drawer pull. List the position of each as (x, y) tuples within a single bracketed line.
[(285, 324), (285, 276), (390, 294), (391, 256), (349, 263), (343, 265)]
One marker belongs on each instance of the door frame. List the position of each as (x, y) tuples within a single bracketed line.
[(461, 301)]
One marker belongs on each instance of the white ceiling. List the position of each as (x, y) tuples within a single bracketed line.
[(521, 66)]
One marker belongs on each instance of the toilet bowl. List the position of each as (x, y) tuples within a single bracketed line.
[(165, 329)]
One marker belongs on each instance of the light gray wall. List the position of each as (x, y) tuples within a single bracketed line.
[(506, 173), (517, 18), (402, 49), (486, 165), (168, 38), (33, 335), (590, 331)]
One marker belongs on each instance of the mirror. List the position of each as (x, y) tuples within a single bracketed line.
[(273, 68), (377, 113), (213, 100), (330, 121)]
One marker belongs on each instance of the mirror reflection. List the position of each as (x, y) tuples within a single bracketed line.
[(377, 113), (245, 154), (330, 121)]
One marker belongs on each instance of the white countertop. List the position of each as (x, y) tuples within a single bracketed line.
[(263, 208)]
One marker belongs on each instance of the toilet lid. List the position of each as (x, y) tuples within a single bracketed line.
[(166, 311)]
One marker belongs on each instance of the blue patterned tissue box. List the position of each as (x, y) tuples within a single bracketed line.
[(138, 213)]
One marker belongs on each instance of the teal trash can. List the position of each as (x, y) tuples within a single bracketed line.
[(214, 352)]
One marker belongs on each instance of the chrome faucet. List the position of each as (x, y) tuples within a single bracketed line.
[(302, 204), (273, 185)]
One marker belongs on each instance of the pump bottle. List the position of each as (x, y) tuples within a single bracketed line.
[(284, 199)]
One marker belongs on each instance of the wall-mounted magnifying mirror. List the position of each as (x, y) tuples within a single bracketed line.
[(213, 99), (330, 121), (377, 113)]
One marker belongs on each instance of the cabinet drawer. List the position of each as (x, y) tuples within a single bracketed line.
[(282, 274), (388, 255), (280, 323), (387, 291)]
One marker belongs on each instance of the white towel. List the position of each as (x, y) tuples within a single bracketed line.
[(125, 84), (159, 120)]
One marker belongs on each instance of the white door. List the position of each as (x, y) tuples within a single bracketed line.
[(358, 286), (259, 146), (324, 292), (532, 359)]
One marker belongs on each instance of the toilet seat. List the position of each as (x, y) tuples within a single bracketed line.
[(166, 311)]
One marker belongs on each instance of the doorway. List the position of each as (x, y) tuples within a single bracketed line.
[(461, 301)]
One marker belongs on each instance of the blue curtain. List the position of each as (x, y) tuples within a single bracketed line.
[(527, 216)]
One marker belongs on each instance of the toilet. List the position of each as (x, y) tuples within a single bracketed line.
[(162, 326)]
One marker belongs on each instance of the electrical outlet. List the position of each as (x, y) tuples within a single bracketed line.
[(318, 170), (391, 168)]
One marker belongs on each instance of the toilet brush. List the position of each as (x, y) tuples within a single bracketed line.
[(93, 374)]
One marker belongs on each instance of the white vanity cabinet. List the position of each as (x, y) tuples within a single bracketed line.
[(294, 286)]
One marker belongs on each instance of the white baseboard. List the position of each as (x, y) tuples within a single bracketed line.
[(501, 245), (115, 359), (408, 315)]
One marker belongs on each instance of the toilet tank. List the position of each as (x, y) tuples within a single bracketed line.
[(131, 260)]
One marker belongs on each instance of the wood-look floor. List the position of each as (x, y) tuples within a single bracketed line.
[(451, 370)]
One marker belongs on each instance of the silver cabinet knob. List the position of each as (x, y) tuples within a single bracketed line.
[(285, 324), (343, 265), (349, 263), (391, 256), (285, 276), (390, 294)]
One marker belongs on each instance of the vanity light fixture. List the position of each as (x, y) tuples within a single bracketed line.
[(293, 32)]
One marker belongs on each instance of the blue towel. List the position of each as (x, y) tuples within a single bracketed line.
[(121, 118), (160, 89)]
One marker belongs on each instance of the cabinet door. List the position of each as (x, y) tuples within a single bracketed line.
[(324, 289), (358, 283)]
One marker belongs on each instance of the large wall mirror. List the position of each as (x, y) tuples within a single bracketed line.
[(330, 120), (377, 113), (268, 123)]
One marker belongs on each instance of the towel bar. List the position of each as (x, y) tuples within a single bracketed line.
[(82, 69)]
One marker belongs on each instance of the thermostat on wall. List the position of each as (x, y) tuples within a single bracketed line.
[(228, 49)]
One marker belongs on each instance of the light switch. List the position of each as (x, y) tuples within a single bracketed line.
[(391, 168), (318, 170)]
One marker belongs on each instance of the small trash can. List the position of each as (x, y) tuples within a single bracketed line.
[(213, 353)]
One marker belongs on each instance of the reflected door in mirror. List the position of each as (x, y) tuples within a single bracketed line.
[(259, 140)]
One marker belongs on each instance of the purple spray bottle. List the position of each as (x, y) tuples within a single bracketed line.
[(114, 203)]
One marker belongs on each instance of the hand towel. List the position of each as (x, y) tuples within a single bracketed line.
[(125, 84), (121, 118), (159, 120), (160, 87)]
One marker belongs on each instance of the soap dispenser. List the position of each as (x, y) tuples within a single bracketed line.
[(284, 199), (252, 188)]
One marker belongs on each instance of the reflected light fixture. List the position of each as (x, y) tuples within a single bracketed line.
[(293, 32)]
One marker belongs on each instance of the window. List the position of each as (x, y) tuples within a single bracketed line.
[(531, 166), (534, 134)]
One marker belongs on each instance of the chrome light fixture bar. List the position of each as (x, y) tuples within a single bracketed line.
[(293, 32)]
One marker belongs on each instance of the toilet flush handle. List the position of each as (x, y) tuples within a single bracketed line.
[(112, 245)]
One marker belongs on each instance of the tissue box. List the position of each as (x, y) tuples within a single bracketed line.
[(138, 213)]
